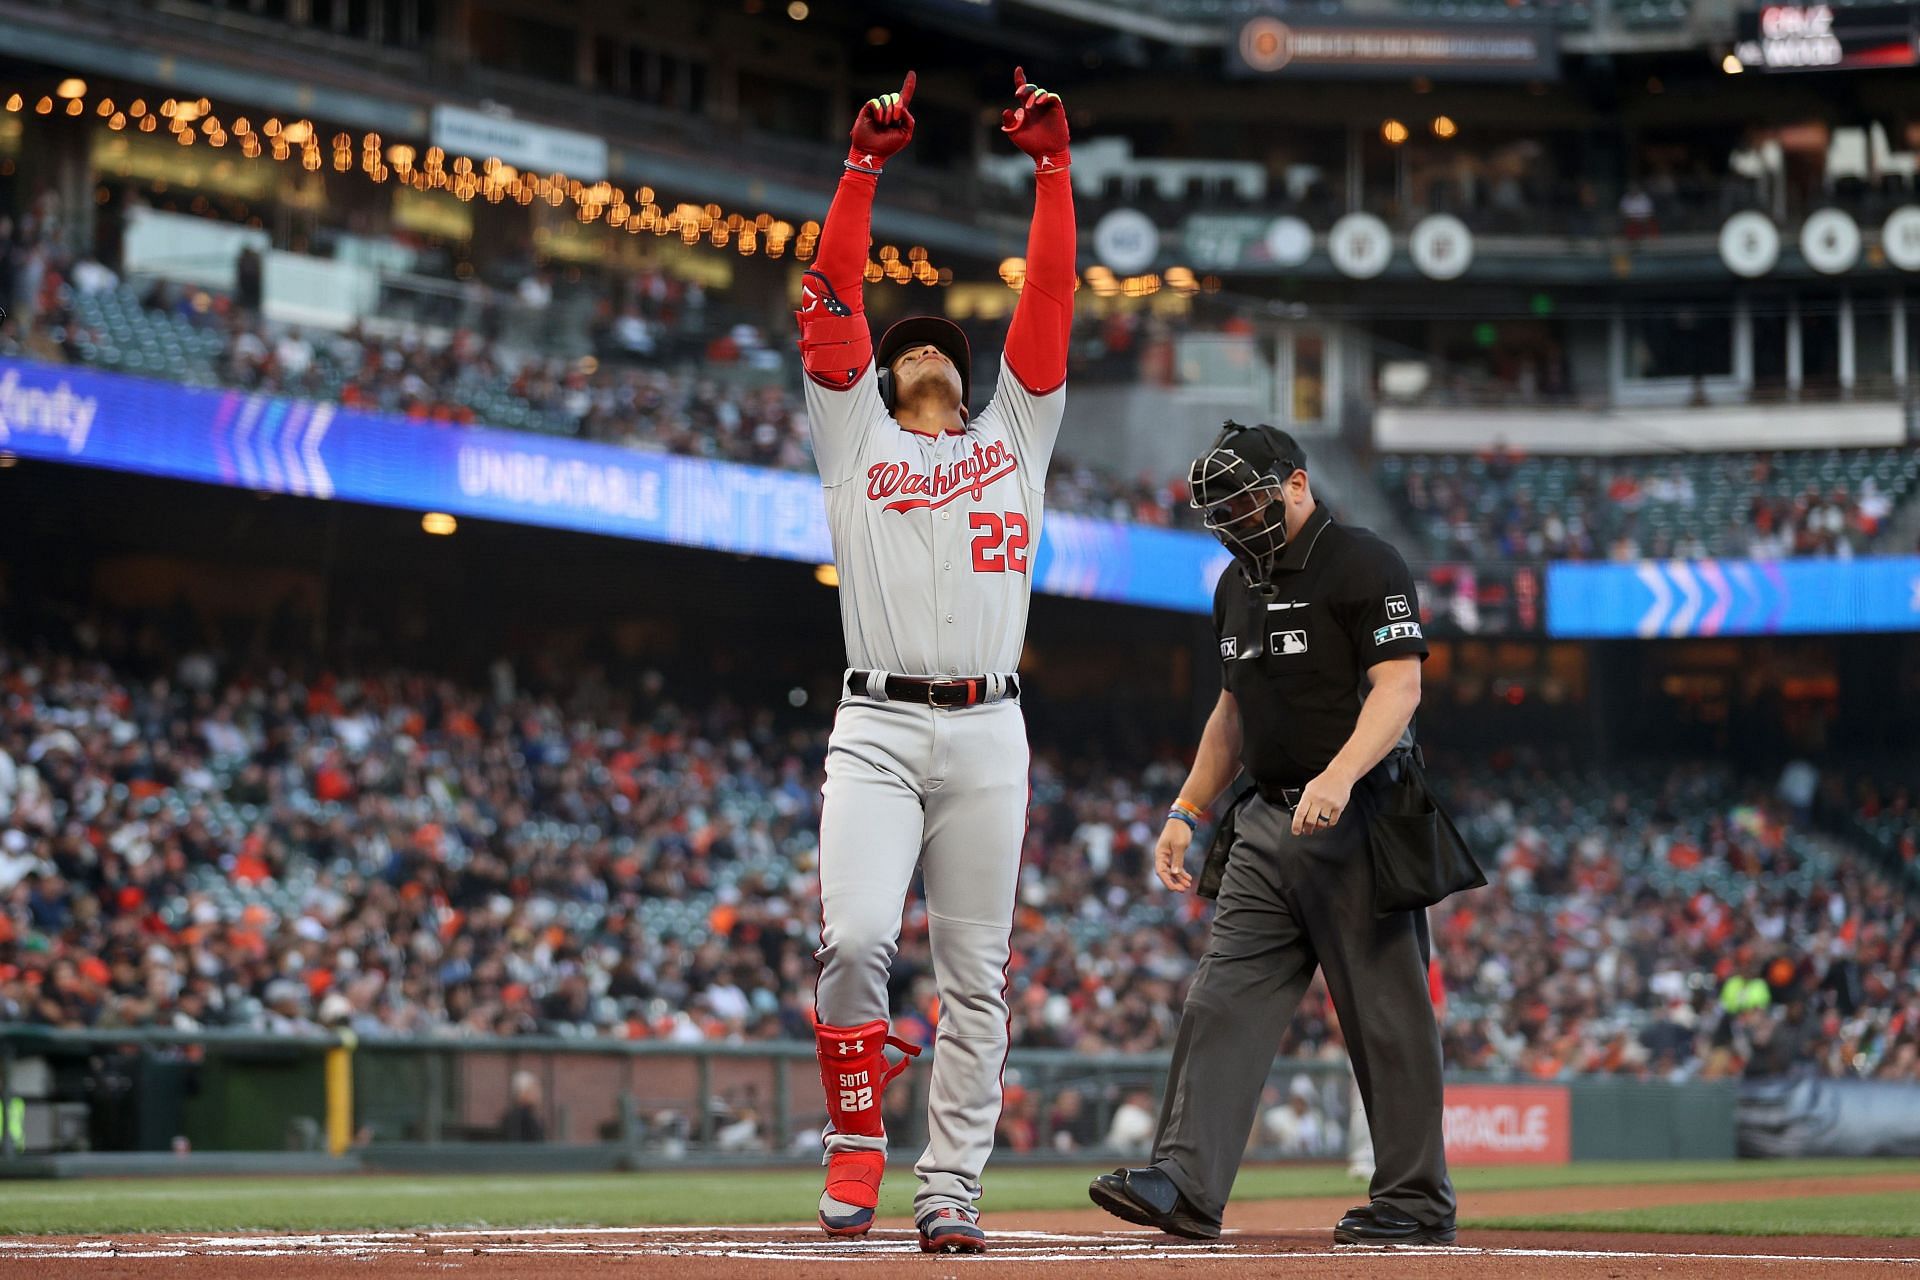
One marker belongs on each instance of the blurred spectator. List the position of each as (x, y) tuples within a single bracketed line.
[(1296, 1127), (524, 1120), (1134, 1121), (1071, 1127)]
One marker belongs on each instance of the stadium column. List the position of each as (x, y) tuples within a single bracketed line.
[(340, 1094), (1899, 339), (453, 33), (12, 1134), (1795, 359), (1848, 368), (59, 149)]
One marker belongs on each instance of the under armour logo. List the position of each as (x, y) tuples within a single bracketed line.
[(850, 1047), (868, 160)]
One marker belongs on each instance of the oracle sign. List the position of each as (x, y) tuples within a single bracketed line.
[(1508, 1124), (1822, 37)]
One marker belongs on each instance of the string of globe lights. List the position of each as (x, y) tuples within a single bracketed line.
[(195, 123)]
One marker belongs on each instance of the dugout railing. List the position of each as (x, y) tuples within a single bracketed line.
[(144, 1100), (421, 1102)]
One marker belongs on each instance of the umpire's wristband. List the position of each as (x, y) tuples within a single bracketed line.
[(1181, 815)]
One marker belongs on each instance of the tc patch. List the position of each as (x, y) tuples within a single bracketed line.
[(1285, 642), (1398, 631), (1397, 610), (1230, 647)]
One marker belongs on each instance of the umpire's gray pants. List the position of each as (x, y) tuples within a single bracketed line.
[(1288, 904)]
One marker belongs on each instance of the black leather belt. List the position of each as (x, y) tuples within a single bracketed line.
[(933, 691), (1289, 797)]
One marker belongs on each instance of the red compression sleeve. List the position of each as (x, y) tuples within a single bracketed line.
[(1043, 318), (835, 342), (848, 231)]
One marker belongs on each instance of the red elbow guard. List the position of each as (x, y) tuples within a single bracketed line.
[(835, 350)]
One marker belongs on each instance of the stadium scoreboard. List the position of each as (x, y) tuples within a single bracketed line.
[(1825, 37)]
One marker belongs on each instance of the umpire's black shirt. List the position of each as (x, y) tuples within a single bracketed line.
[(1295, 655)]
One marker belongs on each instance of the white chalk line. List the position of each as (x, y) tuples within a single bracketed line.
[(887, 1245), (996, 1255)]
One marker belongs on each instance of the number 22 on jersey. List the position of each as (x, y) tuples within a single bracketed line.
[(990, 532)]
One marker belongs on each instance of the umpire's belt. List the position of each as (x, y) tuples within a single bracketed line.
[(1289, 797), (934, 691)]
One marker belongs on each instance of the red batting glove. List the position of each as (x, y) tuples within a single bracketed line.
[(882, 128), (1038, 124)]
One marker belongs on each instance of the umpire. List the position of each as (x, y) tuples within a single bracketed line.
[(1320, 649)]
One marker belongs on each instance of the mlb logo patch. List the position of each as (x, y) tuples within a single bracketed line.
[(1397, 610), (1285, 642)]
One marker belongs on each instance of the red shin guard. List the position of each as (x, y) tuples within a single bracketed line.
[(854, 1072)]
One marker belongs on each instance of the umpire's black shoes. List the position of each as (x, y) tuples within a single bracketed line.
[(1383, 1224), (1148, 1198)]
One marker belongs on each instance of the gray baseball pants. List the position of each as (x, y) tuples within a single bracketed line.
[(1287, 905), (946, 791)]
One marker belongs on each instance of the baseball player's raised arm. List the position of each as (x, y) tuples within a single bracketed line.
[(836, 345), (1042, 325)]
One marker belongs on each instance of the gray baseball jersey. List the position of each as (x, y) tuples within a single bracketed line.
[(935, 541), (934, 537)]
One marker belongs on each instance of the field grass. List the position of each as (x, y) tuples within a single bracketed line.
[(371, 1202), (1888, 1213)]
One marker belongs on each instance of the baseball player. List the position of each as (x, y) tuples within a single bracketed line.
[(935, 516)]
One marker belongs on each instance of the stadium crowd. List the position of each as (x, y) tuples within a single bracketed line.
[(1763, 506), (661, 378), (667, 376), (187, 845)]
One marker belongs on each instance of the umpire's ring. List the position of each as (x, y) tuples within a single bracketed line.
[(1324, 818)]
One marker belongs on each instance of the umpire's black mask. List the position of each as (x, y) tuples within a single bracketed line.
[(1238, 488)]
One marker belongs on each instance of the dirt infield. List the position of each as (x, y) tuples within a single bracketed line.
[(1309, 1213), (1280, 1237)]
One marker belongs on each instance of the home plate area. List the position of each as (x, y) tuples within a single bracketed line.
[(688, 1253)]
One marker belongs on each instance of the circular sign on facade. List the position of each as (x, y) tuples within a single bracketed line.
[(1289, 241), (1441, 246), (1266, 44), (1127, 241), (1749, 244), (1830, 241), (1900, 237), (1360, 246)]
